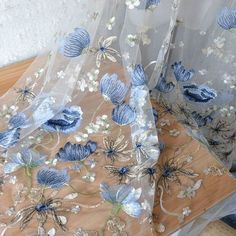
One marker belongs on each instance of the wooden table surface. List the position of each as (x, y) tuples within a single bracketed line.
[(213, 190)]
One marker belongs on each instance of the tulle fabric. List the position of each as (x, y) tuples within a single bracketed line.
[(169, 32)]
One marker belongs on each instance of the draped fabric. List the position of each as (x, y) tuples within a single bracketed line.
[(81, 113)]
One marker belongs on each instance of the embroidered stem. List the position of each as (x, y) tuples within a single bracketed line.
[(91, 206), (179, 216), (114, 212), (49, 149), (95, 112), (85, 167), (81, 193), (28, 172)]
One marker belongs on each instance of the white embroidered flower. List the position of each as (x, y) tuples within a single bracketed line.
[(207, 51), (111, 23), (174, 132), (203, 72), (132, 3), (38, 73), (82, 85), (230, 80), (61, 74), (89, 81), (102, 120), (92, 128), (81, 137), (164, 122), (216, 48), (190, 191), (8, 111), (186, 211), (145, 39), (105, 51), (219, 42), (132, 40), (227, 111)]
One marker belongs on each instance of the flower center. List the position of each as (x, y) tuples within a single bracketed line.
[(110, 151), (41, 207), (166, 172), (123, 170), (151, 171), (103, 49)]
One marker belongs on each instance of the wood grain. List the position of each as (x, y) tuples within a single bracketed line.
[(10, 74)]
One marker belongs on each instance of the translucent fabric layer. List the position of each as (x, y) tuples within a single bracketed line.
[(78, 134)]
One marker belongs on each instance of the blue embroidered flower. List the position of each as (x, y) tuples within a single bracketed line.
[(26, 158), (123, 114), (67, 121), (201, 93), (91, 145), (227, 18), (75, 43), (52, 178), (152, 3), (201, 120), (163, 86), (181, 74), (17, 121), (76, 152), (138, 76), (124, 196), (113, 89), (9, 137)]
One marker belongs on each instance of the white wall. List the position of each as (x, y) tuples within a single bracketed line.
[(28, 26)]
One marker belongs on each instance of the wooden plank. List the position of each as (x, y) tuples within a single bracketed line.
[(10, 74)]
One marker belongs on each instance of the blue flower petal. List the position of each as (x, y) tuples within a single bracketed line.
[(152, 3), (9, 138), (138, 75), (108, 193), (91, 145), (227, 18), (66, 122), (124, 195), (24, 158), (52, 178), (113, 89), (123, 114), (73, 152), (132, 196), (201, 93), (133, 209), (123, 192), (75, 43), (17, 120), (181, 74), (163, 86), (11, 167), (201, 120)]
